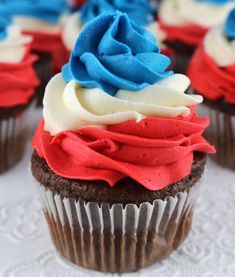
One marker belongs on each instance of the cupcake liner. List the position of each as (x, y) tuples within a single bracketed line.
[(13, 132), (220, 133), (43, 68), (118, 238)]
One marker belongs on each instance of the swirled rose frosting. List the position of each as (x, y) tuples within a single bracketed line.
[(140, 11), (214, 63), (188, 21), (17, 77), (43, 21), (116, 112)]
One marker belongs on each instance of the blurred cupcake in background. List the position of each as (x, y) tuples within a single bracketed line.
[(76, 4), (42, 20), (212, 72), (186, 22), (119, 153), (18, 82), (142, 12)]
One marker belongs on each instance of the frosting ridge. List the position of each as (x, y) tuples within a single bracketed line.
[(155, 152), (49, 11), (67, 106), (4, 23), (229, 27), (107, 52), (202, 13), (139, 11)]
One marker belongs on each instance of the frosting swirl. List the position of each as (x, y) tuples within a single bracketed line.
[(17, 77), (92, 8), (202, 13), (49, 11), (103, 56), (212, 68), (4, 23), (70, 107), (14, 46), (219, 42), (139, 11), (155, 152), (230, 25), (96, 128)]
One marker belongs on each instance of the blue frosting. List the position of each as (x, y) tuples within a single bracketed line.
[(229, 27), (93, 8), (4, 23), (46, 10), (114, 53), (216, 2), (139, 11)]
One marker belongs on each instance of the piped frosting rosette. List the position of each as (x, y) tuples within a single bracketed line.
[(142, 12), (214, 63), (43, 21), (17, 77), (116, 112), (188, 21)]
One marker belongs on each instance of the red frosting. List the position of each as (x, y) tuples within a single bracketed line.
[(190, 34), (209, 79), (155, 152), (17, 81), (49, 43)]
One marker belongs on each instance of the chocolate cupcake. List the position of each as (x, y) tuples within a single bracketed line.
[(43, 21), (17, 87), (212, 71), (141, 12), (119, 153), (186, 22)]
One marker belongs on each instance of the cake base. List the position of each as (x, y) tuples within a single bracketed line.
[(123, 232)]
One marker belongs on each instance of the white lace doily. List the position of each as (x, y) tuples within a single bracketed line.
[(27, 251)]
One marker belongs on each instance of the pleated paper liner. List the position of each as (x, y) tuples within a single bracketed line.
[(220, 133), (13, 133), (118, 238)]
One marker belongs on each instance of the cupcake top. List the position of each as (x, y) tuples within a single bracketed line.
[(216, 58), (205, 13), (17, 78), (116, 112), (139, 11), (219, 42), (187, 21), (38, 16)]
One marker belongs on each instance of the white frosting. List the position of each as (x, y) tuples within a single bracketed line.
[(67, 106), (36, 25), (12, 48), (182, 12), (220, 49), (71, 31)]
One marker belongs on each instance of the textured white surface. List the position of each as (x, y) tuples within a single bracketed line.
[(27, 251)]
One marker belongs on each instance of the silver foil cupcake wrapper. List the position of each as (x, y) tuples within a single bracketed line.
[(118, 238), (12, 140), (220, 133)]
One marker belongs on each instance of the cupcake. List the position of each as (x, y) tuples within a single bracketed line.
[(42, 20), (186, 22), (140, 11), (17, 86), (212, 71), (119, 153)]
